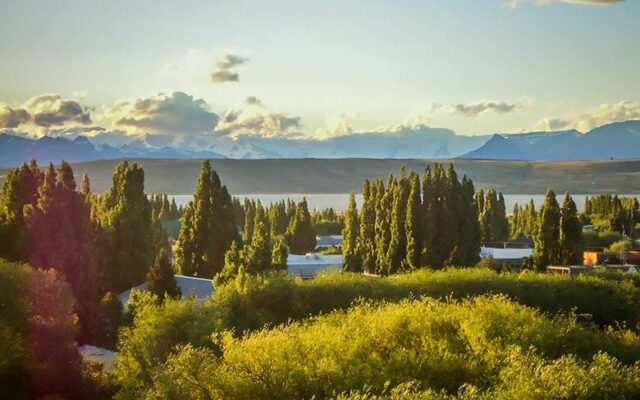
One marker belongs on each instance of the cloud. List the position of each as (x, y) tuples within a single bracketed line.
[(483, 107), (40, 113), (216, 66), (177, 114), (224, 75), (225, 64), (253, 118), (592, 117), (231, 60), (516, 3), (12, 118), (336, 126)]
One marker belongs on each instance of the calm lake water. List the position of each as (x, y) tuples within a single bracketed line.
[(339, 201)]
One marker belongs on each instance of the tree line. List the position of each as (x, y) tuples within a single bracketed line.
[(409, 222)]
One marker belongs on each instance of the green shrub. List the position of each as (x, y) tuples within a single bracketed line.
[(487, 346), (250, 303)]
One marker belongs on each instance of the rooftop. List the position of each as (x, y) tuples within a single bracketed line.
[(200, 287)]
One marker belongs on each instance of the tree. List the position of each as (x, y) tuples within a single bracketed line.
[(279, 255), (208, 227), (128, 233), (547, 235), (366, 246), (232, 264), (351, 261), (111, 317), (570, 233), (160, 278), (398, 239), (257, 255), (413, 223), (301, 238)]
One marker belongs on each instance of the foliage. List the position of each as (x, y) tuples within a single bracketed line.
[(249, 303), (160, 278), (38, 327), (488, 344)]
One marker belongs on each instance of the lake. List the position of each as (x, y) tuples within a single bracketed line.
[(339, 201)]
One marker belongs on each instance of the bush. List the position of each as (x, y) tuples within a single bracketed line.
[(489, 346), (249, 303)]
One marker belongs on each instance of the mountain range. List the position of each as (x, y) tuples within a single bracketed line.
[(619, 140)]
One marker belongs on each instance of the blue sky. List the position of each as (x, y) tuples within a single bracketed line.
[(475, 66)]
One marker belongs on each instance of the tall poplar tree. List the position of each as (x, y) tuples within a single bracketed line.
[(413, 223), (570, 233), (366, 247), (350, 258), (547, 235), (301, 237)]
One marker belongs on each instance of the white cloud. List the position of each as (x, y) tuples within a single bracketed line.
[(41, 113), (217, 66), (592, 117), (483, 107), (252, 117), (336, 125), (176, 114)]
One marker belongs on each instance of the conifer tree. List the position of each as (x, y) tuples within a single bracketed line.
[(249, 219), (469, 229), (232, 264), (257, 255), (160, 278), (301, 237), (398, 239), (413, 223), (85, 185), (279, 255), (383, 233), (570, 233), (366, 246), (547, 235), (207, 228), (350, 259), (175, 214), (126, 219)]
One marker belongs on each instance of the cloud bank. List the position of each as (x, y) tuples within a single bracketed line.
[(483, 107), (592, 117), (215, 66), (45, 111), (253, 118), (177, 113)]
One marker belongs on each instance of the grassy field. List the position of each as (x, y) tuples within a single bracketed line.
[(345, 175)]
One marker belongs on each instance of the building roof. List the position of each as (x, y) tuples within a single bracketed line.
[(311, 264), (329, 241), (505, 254), (200, 287)]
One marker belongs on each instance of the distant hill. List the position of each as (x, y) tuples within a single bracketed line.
[(344, 175), (620, 140)]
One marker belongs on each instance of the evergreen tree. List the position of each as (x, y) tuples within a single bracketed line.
[(174, 214), (413, 223), (279, 255), (547, 234), (350, 257), (366, 246), (207, 228), (126, 219), (160, 278), (469, 228), (20, 189), (398, 241), (232, 264), (383, 233), (85, 185), (301, 237), (570, 233), (257, 255), (249, 219)]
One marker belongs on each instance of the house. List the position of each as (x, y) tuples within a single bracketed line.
[(511, 257), (311, 264), (594, 257), (324, 242), (189, 285)]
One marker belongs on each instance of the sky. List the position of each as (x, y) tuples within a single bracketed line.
[(317, 68)]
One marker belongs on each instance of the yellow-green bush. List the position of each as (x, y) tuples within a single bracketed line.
[(252, 302), (487, 347)]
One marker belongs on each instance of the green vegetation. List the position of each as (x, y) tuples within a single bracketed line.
[(160, 278), (250, 303), (405, 225)]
